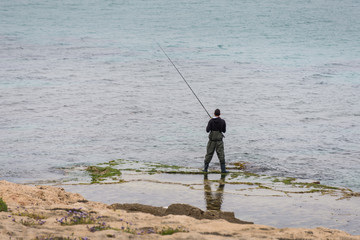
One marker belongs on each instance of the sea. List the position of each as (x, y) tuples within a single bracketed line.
[(85, 82)]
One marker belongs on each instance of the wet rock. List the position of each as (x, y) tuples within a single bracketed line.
[(180, 209), (135, 207), (185, 209)]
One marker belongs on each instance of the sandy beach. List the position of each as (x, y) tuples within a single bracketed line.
[(46, 212)]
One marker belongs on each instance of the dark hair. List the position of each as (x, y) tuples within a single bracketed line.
[(217, 112)]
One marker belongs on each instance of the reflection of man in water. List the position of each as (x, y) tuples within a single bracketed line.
[(214, 200)]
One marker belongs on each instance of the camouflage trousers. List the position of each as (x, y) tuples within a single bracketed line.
[(210, 149)]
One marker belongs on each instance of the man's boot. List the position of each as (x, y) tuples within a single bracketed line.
[(223, 169), (206, 166)]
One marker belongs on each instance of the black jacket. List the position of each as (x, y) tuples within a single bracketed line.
[(216, 124)]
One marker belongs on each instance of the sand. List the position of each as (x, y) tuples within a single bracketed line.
[(38, 212)]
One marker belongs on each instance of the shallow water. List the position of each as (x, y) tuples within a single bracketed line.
[(249, 203), (84, 82)]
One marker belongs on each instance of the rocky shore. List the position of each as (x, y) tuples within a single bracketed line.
[(46, 212)]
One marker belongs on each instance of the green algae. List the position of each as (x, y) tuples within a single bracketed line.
[(152, 168), (240, 183), (286, 181), (243, 174), (158, 165), (349, 194), (111, 171), (238, 165), (184, 172), (3, 206), (261, 186), (170, 230), (316, 185), (291, 181), (99, 174), (115, 162)]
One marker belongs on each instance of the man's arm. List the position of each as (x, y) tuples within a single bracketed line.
[(208, 128), (224, 126)]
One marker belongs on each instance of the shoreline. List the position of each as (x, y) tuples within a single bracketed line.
[(35, 212), (282, 202)]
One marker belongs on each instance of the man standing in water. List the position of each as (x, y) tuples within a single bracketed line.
[(216, 127)]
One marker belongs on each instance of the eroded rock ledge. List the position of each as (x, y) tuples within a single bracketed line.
[(180, 209)]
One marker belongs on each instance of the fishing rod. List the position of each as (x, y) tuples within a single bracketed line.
[(184, 79)]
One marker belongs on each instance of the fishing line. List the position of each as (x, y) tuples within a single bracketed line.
[(184, 79)]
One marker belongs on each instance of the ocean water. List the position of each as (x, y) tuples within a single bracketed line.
[(84, 82)]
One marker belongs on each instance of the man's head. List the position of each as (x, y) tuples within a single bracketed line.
[(217, 112)]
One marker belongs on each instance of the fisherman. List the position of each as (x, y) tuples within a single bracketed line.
[(216, 127)]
